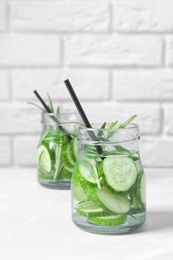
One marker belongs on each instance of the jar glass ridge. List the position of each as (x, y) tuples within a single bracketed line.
[(108, 190)]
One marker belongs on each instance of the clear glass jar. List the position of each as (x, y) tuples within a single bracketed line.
[(108, 182), (57, 149)]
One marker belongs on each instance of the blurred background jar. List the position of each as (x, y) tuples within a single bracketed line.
[(57, 149)]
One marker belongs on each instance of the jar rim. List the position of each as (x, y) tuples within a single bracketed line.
[(64, 112), (130, 126)]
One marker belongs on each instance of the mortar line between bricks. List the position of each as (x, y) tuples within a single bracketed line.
[(61, 33), (145, 33), (62, 52), (78, 66), (66, 101), (10, 87), (111, 86), (8, 20), (130, 67), (143, 101), (27, 67), (110, 29), (12, 149), (104, 32), (163, 57), (162, 120), (97, 102)]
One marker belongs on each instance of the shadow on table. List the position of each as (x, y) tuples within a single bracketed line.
[(156, 221)]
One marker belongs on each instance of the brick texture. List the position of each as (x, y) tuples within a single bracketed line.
[(25, 150), (3, 17), (157, 152), (113, 50), (143, 16), (60, 17), (19, 119), (4, 88), (168, 119), (85, 82), (29, 50), (145, 85), (169, 51), (5, 151), (148, 119)]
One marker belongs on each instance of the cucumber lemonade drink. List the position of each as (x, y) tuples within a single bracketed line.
[(108, 189), (57, 150)]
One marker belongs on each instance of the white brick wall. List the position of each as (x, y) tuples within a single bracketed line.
[(3, 17), (29, 50), (113, 50), (117, 53), (52, 81), (60, 17), (143, 16)]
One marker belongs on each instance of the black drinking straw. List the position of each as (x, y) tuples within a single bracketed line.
[(51, 116), (82, 114)]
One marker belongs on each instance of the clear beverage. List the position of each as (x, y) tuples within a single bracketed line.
[(57, 150), (108, 190)]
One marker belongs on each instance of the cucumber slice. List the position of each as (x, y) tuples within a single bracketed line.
[(139, 194), (72, 155), (65, 156), (107, 220), (44, 158), (115, 203), (143, 189), (76, 187), (75, 147), (120, 172), (78, 192), (68, 169), (88, 207), (69, 156)]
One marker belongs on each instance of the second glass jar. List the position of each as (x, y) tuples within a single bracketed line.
[(57, 149)]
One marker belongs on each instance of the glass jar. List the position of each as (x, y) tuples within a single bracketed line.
[(57, 149), (108, 182)]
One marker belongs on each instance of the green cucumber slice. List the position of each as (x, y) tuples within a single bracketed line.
[(68, 169), (115, 203), (75, 147), (120, 172), (65, 156), (78, 192), (69, 156), (139, 194), (143, 189), (88, 207), (44, 159), (107, 220)]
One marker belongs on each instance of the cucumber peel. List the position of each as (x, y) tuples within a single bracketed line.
[(107, 220)]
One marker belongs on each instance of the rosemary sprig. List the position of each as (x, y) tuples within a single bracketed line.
[(127, 122)]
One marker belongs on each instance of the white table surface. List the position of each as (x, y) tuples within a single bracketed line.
[(35, 223)]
